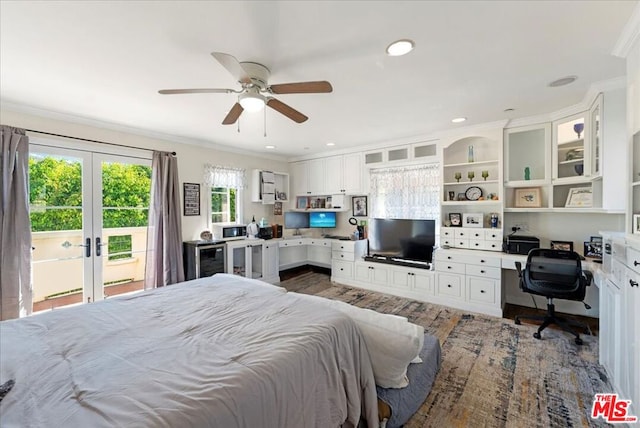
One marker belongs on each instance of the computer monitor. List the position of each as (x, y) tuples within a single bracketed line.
[(322, 219), (296, 220)]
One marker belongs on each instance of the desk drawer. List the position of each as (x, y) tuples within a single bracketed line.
[(493, 245), (482, 290), (633, 259), (342, 269), (343, 255), (349, 246), (476, 244), (484, 271), (291, 243), (493, 235), (461, 243), (450, 285), (449, 267)]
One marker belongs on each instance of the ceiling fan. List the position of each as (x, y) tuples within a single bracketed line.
[(254, 79)]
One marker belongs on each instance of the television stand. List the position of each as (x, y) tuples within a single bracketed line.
[(398, 261)]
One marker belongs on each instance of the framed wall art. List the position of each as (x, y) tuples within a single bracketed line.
[(527, 197), (472, 220), (579, 197), (359, 206), (191, 199)]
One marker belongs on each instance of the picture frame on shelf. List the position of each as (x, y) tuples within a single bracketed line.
[(636, 224), (579, 197), (527, 197), (593, 250), (561, 245), (302, 202), (359, 206), (472, 220), (455, 219)]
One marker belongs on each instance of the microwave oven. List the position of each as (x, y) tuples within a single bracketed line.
[(227, 232)]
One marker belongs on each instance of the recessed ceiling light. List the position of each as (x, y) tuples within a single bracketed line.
[(458, 119), (563, 81), (269, 147), (400, 47), (331, 144)]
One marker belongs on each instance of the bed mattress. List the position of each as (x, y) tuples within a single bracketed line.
[(221, 351)]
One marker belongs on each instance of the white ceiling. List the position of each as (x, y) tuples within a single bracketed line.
[(107, 60)]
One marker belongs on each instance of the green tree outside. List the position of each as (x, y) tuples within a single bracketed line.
[(55, 194)]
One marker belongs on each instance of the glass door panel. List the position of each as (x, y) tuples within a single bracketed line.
[(570, 148), (61, 234)]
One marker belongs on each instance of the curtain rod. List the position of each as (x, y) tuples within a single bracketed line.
[(90, 141)]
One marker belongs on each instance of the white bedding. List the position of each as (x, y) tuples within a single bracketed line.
[(219, 352)]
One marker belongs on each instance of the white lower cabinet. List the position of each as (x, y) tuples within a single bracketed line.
[(469, 279), (393, 279), (245, 258), (341, 270), (271, 263), (343, 256)]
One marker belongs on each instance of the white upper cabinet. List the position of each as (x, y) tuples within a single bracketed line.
[(332, 175), (527, 154), (595, 118), (571, 148)]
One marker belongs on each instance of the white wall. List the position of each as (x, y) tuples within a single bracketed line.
[(191, 161)]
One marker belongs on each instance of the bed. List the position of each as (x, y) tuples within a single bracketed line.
[(221, 351)]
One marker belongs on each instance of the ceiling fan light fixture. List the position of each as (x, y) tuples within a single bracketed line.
[(252, 101), (400, 47)]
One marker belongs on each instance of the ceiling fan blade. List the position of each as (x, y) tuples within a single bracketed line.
[(233, 115), (195, 91), (233, 66), (302, 88), (290, 112)]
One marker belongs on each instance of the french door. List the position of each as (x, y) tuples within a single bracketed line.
[(89, 215)]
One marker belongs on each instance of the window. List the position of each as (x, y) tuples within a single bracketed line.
[(406, 192), (223, 205), (225, 201)]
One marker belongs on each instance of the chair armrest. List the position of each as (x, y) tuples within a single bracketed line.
[(518, 268), (588, 276)]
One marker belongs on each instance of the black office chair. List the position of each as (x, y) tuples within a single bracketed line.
[(555, 274)]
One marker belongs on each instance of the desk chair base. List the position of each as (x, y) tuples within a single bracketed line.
[(551, 318)]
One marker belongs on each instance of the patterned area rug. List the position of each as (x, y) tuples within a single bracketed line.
[(494, 373)]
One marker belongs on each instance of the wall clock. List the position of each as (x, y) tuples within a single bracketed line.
[(473, 193)]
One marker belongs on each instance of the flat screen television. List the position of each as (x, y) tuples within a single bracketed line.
[(322, 219), (296, 220), (402, 238)]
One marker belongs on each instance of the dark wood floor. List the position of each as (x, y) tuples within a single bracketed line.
[(510, 310)]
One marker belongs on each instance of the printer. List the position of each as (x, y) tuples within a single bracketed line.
[(517, 244)]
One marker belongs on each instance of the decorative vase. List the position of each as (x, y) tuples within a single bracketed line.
[(470, 157), (527, 173), (578, 127)]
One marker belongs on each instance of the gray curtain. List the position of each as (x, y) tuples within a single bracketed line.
[(164, 236), (16, 297)]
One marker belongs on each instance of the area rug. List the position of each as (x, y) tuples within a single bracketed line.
[(494, 373)]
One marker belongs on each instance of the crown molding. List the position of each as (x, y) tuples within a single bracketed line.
[(95, 123), (629, 36)]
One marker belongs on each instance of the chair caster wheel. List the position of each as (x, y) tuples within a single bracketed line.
[(578, 341), (517, 321), (537, 335)]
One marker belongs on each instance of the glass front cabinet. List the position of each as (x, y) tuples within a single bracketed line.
[(571, 149), (595, 114)]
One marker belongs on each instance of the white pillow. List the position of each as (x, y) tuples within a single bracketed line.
[(393, 342)]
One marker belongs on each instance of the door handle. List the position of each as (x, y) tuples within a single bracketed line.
[(87, 246), (98, 247)]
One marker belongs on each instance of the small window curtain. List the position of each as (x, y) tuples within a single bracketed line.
[(222, 176), (16, 294), (406, 192), (164, 235)]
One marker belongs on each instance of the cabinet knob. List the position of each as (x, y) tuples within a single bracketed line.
[(482, 291), (449, 285), (448, 257), (636, 263), (482, 261), (633, 283), (449, 267), (482, 272)]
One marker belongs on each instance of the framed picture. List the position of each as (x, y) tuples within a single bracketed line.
[(472, 220), (191, 198), (302, 202), (455, 219), (359, 206), (593, 250), (527, 197), (636, 224), (277, 208), (281, 196), (579, 197), (562, 245)]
